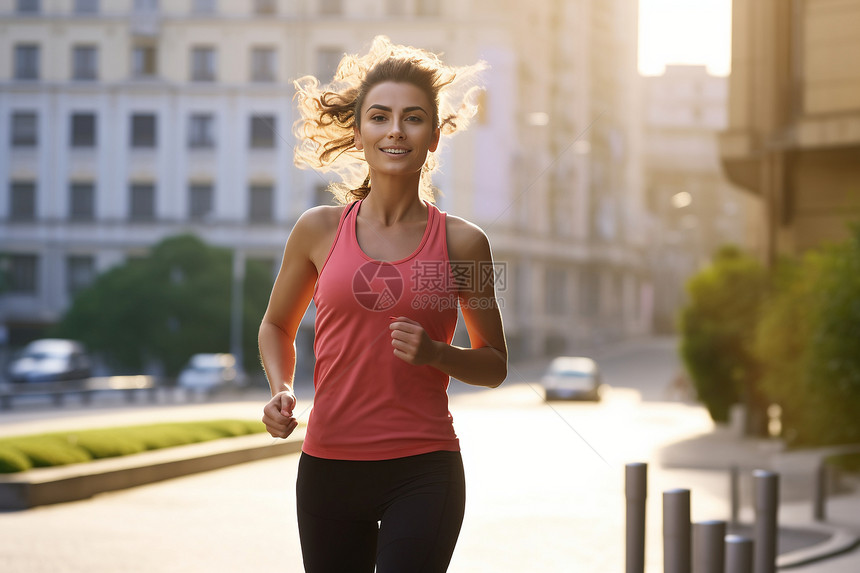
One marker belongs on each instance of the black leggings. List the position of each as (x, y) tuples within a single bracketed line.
[(403, 515)]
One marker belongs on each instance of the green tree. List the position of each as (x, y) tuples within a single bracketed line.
[(167, 306), (717, 327), (834, 361), (782, 340), (807, 344)]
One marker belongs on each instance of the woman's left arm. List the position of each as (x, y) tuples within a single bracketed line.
[(485, 363)]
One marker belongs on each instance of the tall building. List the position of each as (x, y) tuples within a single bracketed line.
[(694, 208), (127, 121), (793, 138)]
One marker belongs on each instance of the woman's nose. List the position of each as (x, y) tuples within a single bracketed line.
[(396, 130)]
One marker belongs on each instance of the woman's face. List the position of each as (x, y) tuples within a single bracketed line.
[(397, 128)]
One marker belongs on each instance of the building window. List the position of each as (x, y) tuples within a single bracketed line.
[(28, 6), (201, 131), (84, 63), (86, 6), (25, 129), (265, 6), (143, 130), (395, 8), (23, 274), (203, 6), (263, 65), (200, 201), (142, 202), (427, 8), (146, 5), (556, 292), (203, 64), (22, 201), (27, 62), (263, 129), (261, 203), (82, 202), (80, 272), (143, 62), (331, 7), (83, 130), (327, 61)]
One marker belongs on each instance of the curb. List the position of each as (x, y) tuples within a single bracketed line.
[(841, 541), (45, 486)]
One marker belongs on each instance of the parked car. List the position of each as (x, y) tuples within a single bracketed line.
[(207, 373), (50, 360), (572, 377)]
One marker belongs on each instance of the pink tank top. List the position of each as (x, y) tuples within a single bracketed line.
[(369, 404)]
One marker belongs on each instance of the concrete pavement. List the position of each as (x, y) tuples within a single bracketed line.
[(828, 546), (688, 463)]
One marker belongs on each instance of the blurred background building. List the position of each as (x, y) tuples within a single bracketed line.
[(793, 138), (127, 121), (694, 208)]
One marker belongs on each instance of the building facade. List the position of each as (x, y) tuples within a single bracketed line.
[(128, 121), (793, 138), (694, 208)]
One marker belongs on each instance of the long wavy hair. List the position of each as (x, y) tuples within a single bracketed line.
[(328, 113)]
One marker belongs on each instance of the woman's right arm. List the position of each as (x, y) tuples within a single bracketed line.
[(291, 295)]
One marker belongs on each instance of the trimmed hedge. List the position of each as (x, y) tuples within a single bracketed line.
[(21, 453)]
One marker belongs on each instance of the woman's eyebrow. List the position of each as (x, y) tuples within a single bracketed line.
[(405, 110)]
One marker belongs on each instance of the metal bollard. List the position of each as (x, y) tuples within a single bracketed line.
[(766, 506), (676, 531), (735, 495), (819, 506), (739, 554), (709, 546), (636, 488)]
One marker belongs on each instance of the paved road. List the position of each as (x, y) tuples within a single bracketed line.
[(545, 490)]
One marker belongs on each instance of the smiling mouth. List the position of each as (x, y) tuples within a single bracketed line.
[(394, 151)]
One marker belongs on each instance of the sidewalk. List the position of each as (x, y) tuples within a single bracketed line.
[(807, 545)]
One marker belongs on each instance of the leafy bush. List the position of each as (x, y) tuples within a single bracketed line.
[(782, 340), (50, 450), (45, 450), (834, 360), (807, 343), (11, 461), (717, 328), (107, 444)]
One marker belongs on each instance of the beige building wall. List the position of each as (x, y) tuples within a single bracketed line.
[(793, 138), (550, 169)]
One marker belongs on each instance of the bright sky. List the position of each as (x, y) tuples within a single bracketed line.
[(685, 32)]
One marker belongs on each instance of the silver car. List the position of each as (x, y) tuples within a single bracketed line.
[(572, 377), (207, 373), (51, 360)]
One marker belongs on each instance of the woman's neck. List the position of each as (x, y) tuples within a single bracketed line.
[(394, 200)]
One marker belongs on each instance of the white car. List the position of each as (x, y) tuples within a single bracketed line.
[(572, 377), (210, 372), (51, 360)]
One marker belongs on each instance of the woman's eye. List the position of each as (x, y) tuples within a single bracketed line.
[(377, 118), (414, 118)]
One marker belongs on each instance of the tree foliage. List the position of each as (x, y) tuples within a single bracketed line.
[(717, 327), (167, 306)]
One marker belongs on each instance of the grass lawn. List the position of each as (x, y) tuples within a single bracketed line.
[(21, 453)]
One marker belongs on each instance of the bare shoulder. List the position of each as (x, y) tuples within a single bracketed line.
[(314, 232), (319, 219), (466, 240)]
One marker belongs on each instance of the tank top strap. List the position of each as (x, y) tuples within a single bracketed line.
[(437, 240)]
